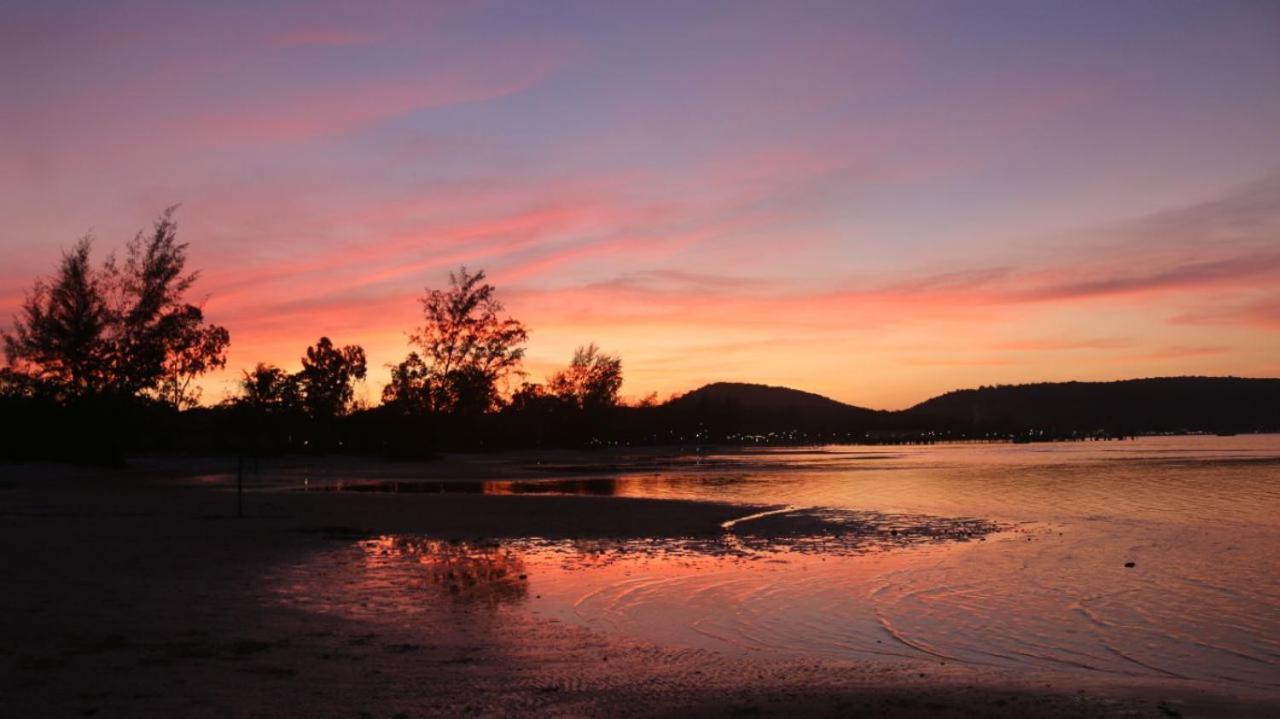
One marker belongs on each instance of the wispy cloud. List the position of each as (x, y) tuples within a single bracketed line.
[(1243, 271), (1262, 313)]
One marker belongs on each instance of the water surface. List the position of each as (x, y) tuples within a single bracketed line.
[(1197, 518)]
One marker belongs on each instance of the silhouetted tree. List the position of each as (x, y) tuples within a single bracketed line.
[(195, 349), (533, 397), (326, 377), (58, 338), (591, 381), (647, 402), (467, 347), (270, 389), (123, 329), (409, 390)]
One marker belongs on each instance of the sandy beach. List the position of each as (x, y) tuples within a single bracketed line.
[(141, 593)]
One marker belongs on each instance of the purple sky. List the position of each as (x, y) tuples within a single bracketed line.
[(876, 201)]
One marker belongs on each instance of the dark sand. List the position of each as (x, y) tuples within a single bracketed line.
[(127, 594)]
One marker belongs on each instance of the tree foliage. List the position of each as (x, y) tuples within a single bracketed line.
[(532, 397), (326, 377), (467, 349), (269, 389), (123, 329), (197, 348), (591, 381), (409, 389), (58, 339)]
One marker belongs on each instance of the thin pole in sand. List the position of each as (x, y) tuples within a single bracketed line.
[(240, 486)]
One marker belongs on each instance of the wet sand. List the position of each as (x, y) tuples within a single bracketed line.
[(128, 594)]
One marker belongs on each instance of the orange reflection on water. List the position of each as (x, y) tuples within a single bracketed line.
[(690, 593), (485, 574), (397, 579), (1153, 557)]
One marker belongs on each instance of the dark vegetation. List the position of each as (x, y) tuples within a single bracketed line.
[(1139, 406), (95, 351), (104, 360)]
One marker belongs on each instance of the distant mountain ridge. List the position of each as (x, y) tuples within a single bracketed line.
[(1160, 404), (1145, 405), (729, 409), (762, 396)]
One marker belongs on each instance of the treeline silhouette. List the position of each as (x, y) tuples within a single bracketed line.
[(1141, 406), (96, 349), (103, 360)]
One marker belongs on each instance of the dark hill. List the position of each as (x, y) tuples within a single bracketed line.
[(726, 408), (1165, 404), (761, 396)]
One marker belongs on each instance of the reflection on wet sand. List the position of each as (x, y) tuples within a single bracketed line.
[(485, 574), (394, 577), (1152, 559)]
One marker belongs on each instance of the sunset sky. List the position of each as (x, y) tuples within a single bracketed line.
[(873, 201)]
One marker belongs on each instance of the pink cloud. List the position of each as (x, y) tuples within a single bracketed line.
[(1263, 313)]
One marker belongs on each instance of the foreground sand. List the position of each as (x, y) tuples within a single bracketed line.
[(127, 594)]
